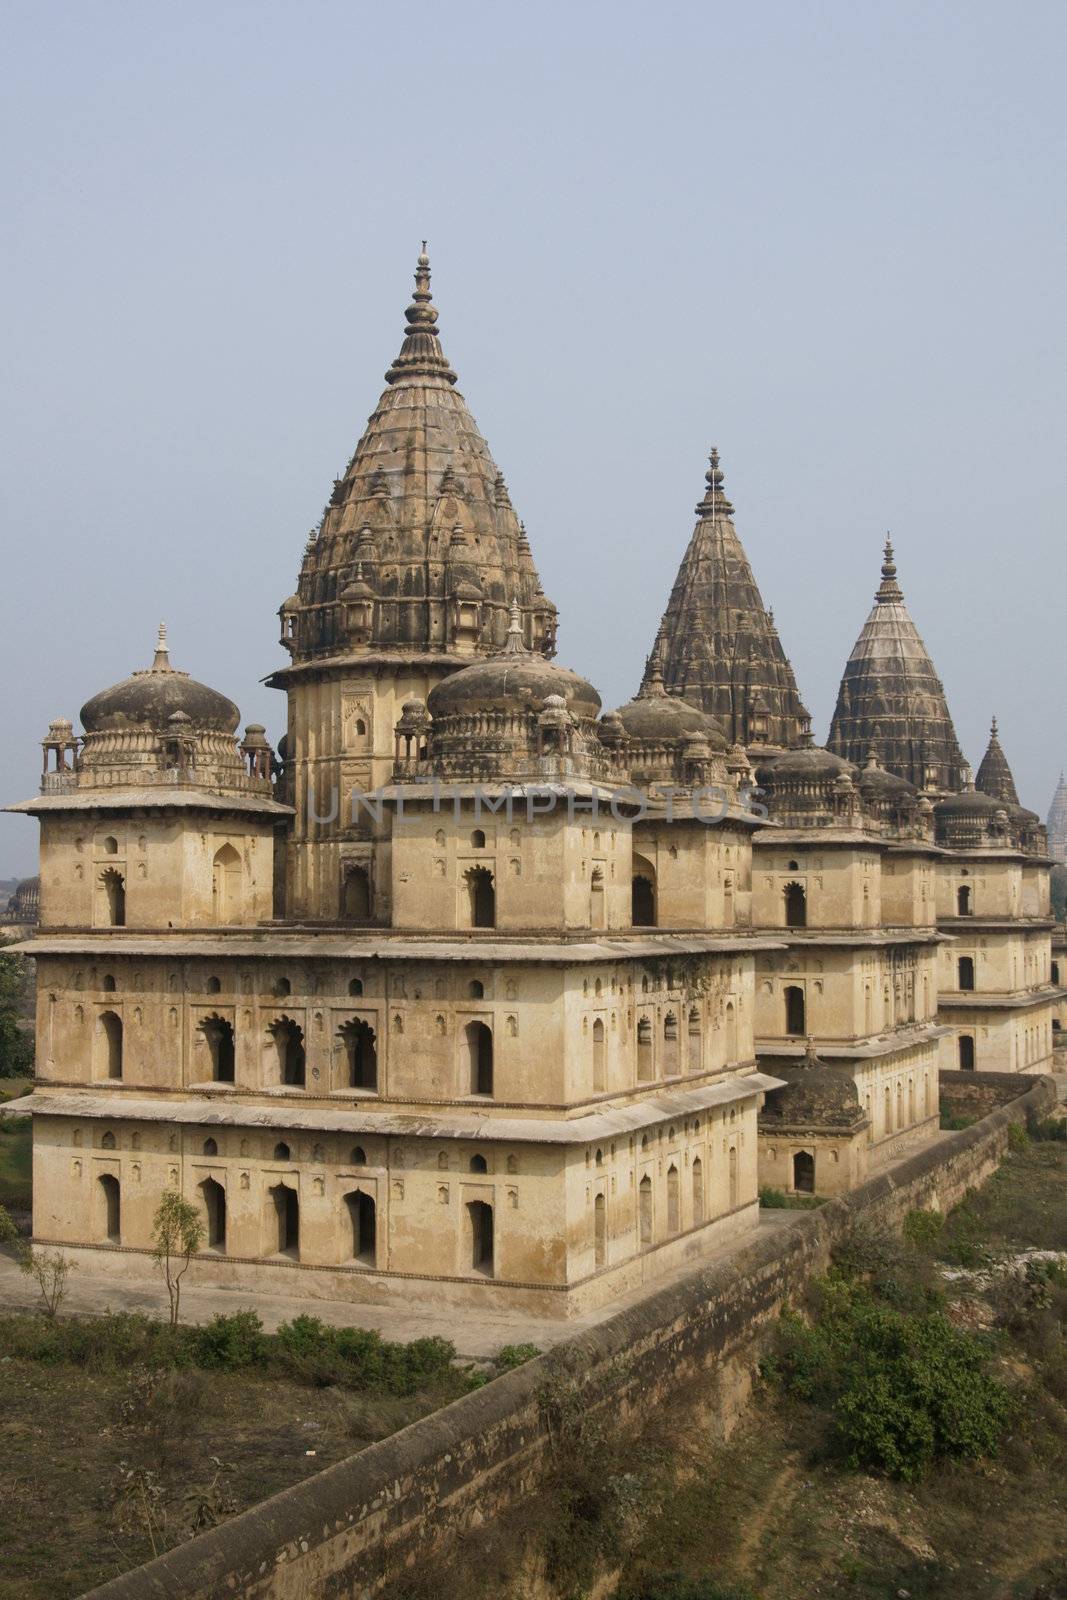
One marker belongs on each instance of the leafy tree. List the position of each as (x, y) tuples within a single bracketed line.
[(177, 1234), (16, 1045), (1059, 893)]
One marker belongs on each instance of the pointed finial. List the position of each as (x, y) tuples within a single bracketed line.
[(714, 496), (515, 644), (421, 355), (889, 589), (653, 679), (993, 729), (161, 659)]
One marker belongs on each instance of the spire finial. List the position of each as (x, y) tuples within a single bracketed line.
[(421, 354), (889, 589), (714, 495), (161, 659), (993, 728), (515, 644)]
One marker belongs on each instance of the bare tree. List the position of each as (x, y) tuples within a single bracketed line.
[(49, 1269), (177, 1234)]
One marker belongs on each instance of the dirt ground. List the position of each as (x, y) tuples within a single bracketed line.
[(99, 1471)]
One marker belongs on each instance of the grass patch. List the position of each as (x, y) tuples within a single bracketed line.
[(123, 1437)]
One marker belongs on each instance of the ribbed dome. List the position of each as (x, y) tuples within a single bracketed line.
[(149, 698), (665, 718), (891, 700), (811, 762), (969, 803), (514, 680), (878, 783)]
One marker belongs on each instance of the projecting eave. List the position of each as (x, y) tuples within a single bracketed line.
[(957, 925), (151, 800), (396, 660), (842, 838), (614, 1122), (965, 1000), (379, 944), (849, 937), (874, 1049)]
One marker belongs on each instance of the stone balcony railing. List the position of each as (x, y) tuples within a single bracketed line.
[(227, 780)]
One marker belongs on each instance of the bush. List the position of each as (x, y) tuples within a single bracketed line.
[(1018, 1138), (515, 1355), (229, 1343), (923, 1229), (772, 1199), (906, 1389), (1050, 1129)]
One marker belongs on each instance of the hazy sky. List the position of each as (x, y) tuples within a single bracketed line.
[(829, 238)]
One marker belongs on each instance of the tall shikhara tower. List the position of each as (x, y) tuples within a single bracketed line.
[(410, 575), (1057, 822), (718, 646), (891, 700)]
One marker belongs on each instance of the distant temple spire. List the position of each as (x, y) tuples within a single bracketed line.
[(994, 775), (892, 701), (717, 645), (421, 355)]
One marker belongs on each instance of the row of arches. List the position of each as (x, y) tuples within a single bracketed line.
[(282, 1222), (227, 888)]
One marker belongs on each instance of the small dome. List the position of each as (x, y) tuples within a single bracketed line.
[(969, 803), (875, 781), (668, 719), (813, 1095), (516, 680), (154, 696), (811, 762)]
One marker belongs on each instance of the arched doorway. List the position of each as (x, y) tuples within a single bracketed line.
[(643, 894), (114, 886), (670, 1045), (695, 1056), (698, 1190), (795, 1011), (644, 1051), (361, 1054), (966, 1052), (111, 1043), (734, 1180), (480, 1234), (283, 1220), (110, 1208), (218, 1036), (965, 967), (963, 901), (596, 899), (214, 1198), (362, 1216), (478, 1039), (731, 1033), (226, 884), (600, 1074), (804, 1172), (674, 1220), (644, 1202), (600, 1230), (356, 902), (287, 1041), (796, 906), (481, 898)]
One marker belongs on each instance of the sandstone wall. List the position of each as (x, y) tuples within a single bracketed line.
[(346, 1530)]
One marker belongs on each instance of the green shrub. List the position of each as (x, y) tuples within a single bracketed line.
[(772, 1199), (1018, 1138), (515, 1355), (229, 1343), (1050, 1128), (906, 1389), (923, 1229)]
